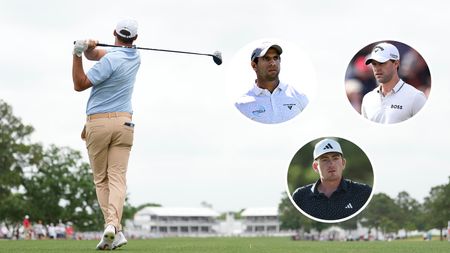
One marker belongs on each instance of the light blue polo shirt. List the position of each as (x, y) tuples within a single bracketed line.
[(112, 79)]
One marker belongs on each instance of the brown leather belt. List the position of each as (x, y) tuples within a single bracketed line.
[(109, 115)]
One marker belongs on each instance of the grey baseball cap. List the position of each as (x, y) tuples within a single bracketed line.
[(262, 49)]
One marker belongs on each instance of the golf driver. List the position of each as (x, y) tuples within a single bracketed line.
[(217, 56)]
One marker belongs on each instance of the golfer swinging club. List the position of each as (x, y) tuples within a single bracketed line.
[(109, 131)]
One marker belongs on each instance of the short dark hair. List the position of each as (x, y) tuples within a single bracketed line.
[(126, 40), (393, 61)]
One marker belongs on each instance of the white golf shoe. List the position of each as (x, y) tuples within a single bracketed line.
[(107, 239), (119, 241)]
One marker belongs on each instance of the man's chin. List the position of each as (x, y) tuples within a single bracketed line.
[(333, 177)]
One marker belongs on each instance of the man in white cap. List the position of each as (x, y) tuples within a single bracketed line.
[(270, 100), (393, 100), (109, 131), (331, 197)]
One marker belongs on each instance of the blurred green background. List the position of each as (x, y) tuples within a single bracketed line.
[(301, 173)]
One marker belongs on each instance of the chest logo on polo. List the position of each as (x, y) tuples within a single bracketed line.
[(399, 107), (289, 106), (349, 206), (259, 111)]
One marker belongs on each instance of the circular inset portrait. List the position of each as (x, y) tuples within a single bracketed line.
[(270, 89), (387, 82), (330, 180)]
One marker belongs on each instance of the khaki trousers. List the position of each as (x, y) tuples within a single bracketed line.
[(109, 141)]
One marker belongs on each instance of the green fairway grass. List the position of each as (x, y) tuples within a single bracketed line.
[(228, 245)]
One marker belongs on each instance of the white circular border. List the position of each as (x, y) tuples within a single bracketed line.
[(330, 221), (296, 69)]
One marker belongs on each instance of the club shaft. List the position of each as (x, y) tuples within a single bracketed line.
[(217, 57), (153, 49)]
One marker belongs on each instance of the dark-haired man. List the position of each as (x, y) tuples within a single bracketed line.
[(393, 101), (270, 101)]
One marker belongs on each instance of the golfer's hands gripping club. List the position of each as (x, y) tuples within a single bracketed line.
[(81, 46)]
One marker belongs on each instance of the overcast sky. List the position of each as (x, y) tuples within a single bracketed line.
[(191, 143)]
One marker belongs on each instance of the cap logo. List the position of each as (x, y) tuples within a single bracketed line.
[(328, 146), (375, 49), (394, 56)]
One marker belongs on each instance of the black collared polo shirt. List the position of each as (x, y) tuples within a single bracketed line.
[(348, 198)]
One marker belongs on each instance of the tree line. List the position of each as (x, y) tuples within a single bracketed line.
[(47, 183), (53, 183)]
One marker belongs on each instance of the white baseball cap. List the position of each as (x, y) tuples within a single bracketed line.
[(127, 28), (383, 52), (262, 49), (326, 146)]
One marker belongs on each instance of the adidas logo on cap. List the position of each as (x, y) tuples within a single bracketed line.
[(328, 146)]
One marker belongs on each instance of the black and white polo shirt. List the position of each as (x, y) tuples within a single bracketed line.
[(348, 198)]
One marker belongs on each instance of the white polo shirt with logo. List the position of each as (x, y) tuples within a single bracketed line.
[(403, 102), (283, 104)]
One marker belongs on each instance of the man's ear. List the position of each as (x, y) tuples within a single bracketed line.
[(253, 65), (344, 162), (315, 166)]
